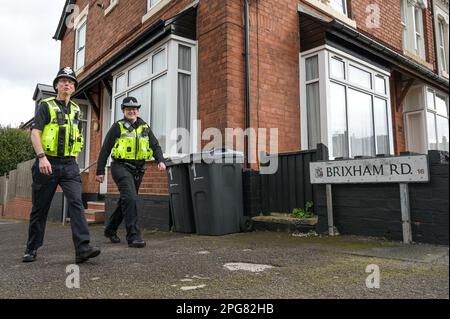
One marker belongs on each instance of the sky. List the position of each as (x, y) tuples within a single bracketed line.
[(28, 54)]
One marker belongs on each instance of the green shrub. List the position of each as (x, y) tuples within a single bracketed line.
[(303, 213), (15, 148)]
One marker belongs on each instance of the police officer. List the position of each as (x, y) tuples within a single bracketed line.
[(57, 140), (132, 143)]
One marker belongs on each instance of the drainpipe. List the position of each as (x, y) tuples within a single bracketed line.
[(247, 80)]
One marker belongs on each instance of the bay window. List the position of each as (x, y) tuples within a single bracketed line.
[(164, 83), (353, 107)]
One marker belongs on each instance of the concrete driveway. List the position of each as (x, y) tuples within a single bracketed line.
[(245, 265)]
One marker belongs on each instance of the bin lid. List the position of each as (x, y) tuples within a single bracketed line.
[(220, 155), (177, 160)]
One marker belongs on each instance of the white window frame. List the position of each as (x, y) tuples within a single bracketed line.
[(150, 6), (170, 44), (112, 5), (434, 112), (423, 109), (152, 9), (87, 138), (408, 129), (413, 40), (77, 50), (442, 33), (79, 21), (325, 53), (344, 2), (419, 42), (326, 7)]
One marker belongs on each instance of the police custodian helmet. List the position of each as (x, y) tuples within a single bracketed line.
[(65, 73), (130, 102)]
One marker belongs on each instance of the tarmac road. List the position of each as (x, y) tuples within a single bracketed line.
[(186, 266)]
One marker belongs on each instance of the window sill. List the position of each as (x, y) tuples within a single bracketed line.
[(111, 7), (417, 59), (79, 71), (155, 9), (329, 10)]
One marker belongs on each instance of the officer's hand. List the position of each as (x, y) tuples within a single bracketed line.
[(44, 166), (100, 178), (162, 166)]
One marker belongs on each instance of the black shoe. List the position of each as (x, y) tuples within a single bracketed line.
[(30, 256), (137, 243), (113, 238), (82, 256)]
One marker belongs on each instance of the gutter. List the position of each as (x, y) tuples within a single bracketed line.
[(395, 58)]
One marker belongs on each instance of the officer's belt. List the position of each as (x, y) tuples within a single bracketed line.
[(61, 159)]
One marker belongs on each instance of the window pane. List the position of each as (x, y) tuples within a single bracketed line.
[(415, 133), (184, 58), (80, 59), (313, 114), (184, 110), (81, 36), (359, 77), (441, 105), (120, 83), (158, 115), (381, 126), (442, 131), (418, 21), (118, 114), (312, 68), (138, 73), (142, 95), (337, 68), (442, 46), (159, 62), (430, 99), (338, 5), (338, 122), (153, 2), (83, 126), (360, 124), (380, 85), (431, 127)]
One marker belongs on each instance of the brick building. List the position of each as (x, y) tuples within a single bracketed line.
[(363, 77)]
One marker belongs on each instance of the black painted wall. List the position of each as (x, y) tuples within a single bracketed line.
[(374, 209), (289, 187), (153, 211)]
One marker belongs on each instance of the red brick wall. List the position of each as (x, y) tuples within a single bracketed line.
[(274, 70), (390, 31), (212, 34), (18, 208), (106, 35), (154, 182)]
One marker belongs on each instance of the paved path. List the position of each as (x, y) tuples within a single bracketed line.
[(245, 265)]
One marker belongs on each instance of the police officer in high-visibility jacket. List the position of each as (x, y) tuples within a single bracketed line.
[(132, 143), (57, 140)]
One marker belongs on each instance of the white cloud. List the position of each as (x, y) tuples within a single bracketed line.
[(28, 56)]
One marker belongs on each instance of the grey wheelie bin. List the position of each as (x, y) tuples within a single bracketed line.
[(180, 196), (216, 187)]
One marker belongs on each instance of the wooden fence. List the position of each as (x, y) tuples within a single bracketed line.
[(16, 184)]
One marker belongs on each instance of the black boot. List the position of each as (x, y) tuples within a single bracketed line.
[(113, 237), (137, 243), (30, 256), (87, 253)]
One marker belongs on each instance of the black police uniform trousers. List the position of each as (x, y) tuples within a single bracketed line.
[(66, 173), (128, 181)]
